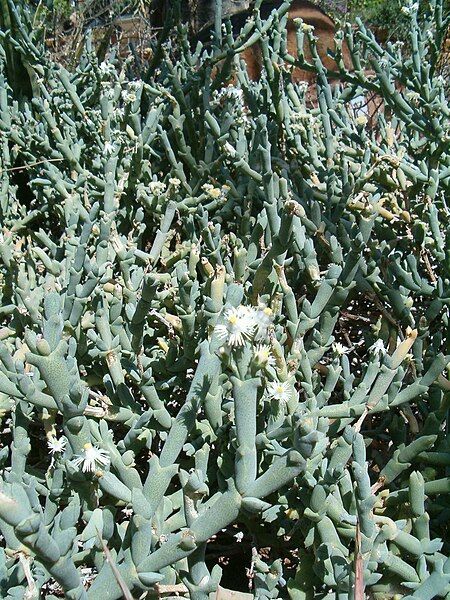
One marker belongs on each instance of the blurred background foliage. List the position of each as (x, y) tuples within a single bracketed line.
[(135, 27), (62, 15)]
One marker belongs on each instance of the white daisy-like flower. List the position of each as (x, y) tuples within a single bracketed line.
[(279, 390), (262, 319), (238, 326), (239, 536), (264, 356), (55, 445), (340, 349), (91, 458)]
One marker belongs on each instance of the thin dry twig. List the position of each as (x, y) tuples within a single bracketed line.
[(39, 162), (123, 586)]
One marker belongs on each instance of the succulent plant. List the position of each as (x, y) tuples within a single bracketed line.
[(223, 306)]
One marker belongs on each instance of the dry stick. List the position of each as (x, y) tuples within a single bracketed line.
[(428, 266), (123, 586), (177, 588), (25, 562), (357, 426), (378, 484), (39, 162), (251, 570)]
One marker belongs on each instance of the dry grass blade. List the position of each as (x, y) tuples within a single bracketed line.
[(123, 586)]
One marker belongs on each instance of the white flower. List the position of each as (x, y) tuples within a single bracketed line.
[(239, 536), (157, 187), (361, 120), (410, 9), (263, 355), (216, 192), (105, 68), (110, 93), (279, 390), (242, 119), (238, 326), (135, 85), (229, 149), (109, 148), (56, 446), (303, 87), (231, 93), (128, 96), (91, 458), (414, 97), (128, 512), (175, 182), (340, 349), (262, 319)]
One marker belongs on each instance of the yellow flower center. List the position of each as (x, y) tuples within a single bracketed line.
[(232, 319)]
